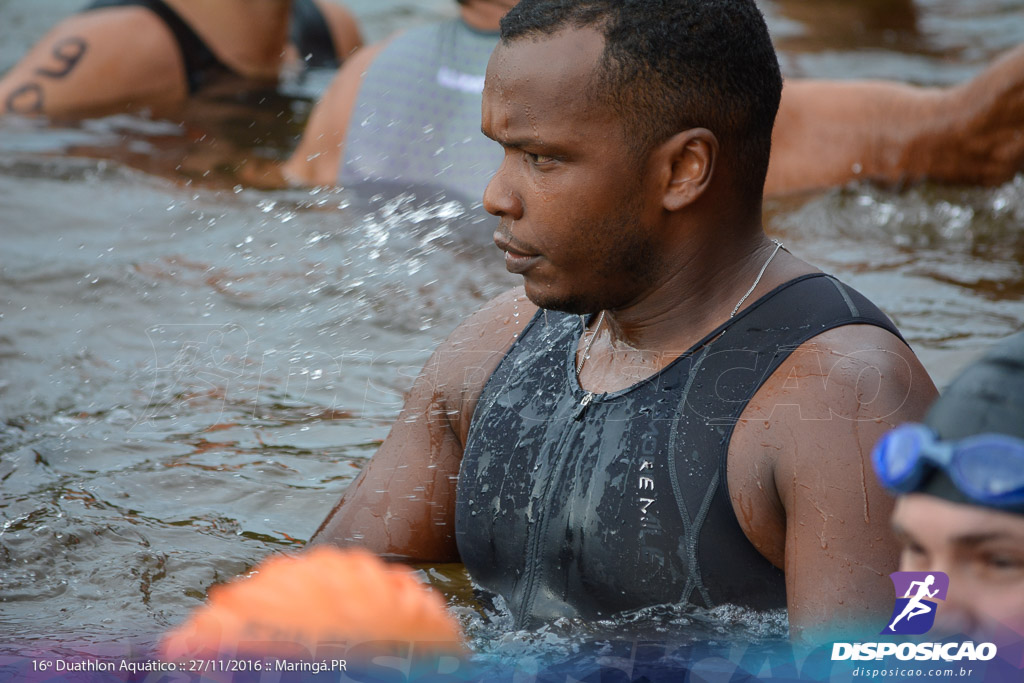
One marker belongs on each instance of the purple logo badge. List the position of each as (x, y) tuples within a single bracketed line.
[(916, 593)]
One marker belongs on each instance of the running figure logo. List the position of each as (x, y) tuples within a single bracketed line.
[(914, 612)]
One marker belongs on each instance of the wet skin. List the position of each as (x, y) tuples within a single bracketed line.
[(982, 552), (666, 245)]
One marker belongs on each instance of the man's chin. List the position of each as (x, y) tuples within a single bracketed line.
[(543, 297)]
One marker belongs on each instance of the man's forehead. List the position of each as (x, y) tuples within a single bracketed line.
[(568, 56), (919, 513)]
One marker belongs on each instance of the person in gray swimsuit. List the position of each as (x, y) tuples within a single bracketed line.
[(406, 112), (417, 118)]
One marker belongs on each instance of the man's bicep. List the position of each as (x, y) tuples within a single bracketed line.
[(838, 549), (96, 61), (402, 503), (857, 383)]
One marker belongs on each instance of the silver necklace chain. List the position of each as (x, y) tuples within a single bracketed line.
[(590, 342), (600, 318), (757, 280)]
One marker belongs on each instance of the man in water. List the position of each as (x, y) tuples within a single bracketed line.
[(700, 435), (144, 53), (404, 112), (960, 476)]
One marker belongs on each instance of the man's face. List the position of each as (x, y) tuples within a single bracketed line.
[(981, 550), (575, 208)]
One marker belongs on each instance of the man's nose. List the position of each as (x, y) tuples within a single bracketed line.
[(499, 197)]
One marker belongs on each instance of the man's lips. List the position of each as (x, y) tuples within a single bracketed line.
[(517, 260)]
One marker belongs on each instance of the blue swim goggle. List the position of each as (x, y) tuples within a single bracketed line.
[(988, 468)]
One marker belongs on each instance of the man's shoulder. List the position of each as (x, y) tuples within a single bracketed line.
[(811, 302), (799, 456), (470, 355), (832, 398), (494, 326), (852, 372)]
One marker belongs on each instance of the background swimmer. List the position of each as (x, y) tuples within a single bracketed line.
[(142, 53), (406, 111), (960, 477)]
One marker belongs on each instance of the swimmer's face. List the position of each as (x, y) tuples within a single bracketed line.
[(574, 206), (981, 550)]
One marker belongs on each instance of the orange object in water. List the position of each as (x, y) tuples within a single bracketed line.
[(325, 599)]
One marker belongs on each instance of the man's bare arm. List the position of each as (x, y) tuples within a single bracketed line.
[(403, 502), (978, 139), (800, 460), (830, 133), (95, 62)]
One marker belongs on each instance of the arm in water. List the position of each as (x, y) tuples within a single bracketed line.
[(403, 502), (94, 61), (129, 56), (833, 132)]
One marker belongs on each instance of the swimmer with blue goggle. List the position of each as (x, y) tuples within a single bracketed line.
[(987, 468), (960, 481)]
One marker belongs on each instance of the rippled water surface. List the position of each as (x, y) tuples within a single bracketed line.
[(192, 369)]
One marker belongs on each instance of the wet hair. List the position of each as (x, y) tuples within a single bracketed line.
[(986, 398), (673, 65)]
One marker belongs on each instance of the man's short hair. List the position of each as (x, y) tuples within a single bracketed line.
[(672, 65)]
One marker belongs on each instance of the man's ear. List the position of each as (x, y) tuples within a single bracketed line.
[(688, 160)]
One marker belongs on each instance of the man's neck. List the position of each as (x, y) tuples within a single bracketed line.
[(697, 295), (700, 293), (249, 36)]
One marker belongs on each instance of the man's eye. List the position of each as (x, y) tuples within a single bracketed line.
[(539, 158), (1003, 562)]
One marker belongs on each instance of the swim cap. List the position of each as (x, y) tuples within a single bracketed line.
[(986, 398), (297, 606)]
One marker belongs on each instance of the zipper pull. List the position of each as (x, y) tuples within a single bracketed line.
[(584, 402)]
